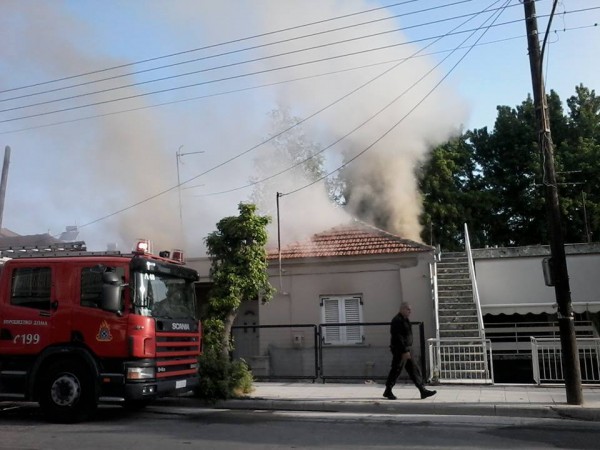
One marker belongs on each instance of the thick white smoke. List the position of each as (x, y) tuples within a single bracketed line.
[(83, 170)]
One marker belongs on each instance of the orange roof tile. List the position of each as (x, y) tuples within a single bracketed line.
[(349, 240)]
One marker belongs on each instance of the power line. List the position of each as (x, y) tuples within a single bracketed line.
[(233, 41), (130, 97), (233, 91), (168, 190), (399, 121), (366, 121), (225, 53), (238, 63), (244, 152), (134, 96)]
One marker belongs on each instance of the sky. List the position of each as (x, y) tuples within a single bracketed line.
[(108, 104)]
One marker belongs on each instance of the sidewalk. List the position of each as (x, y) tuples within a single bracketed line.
[(496, 400)]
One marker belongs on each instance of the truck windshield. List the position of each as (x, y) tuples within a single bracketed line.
[(164, 296)]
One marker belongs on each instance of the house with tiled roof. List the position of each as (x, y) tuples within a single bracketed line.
[(338, 289), (11, 240), (345, 275), (30, 240), (350, 240)]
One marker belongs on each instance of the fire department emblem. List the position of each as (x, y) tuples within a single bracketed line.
[(104, 332)]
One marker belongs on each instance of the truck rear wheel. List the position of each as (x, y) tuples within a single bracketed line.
[(67, 392)]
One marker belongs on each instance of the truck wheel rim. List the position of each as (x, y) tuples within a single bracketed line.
[(65, 390)]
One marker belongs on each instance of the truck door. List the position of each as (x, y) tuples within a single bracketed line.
[(103, 331), (26, 312)]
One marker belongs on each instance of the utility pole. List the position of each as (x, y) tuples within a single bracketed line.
[(3, 182), (558, 261), (178, 156)]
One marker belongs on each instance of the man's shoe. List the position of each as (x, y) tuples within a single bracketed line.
[(427, 393), (389, 395)]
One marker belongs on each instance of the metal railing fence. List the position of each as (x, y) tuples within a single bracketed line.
[(368, 359), (278, 351), (513, 338), (547, 364), (461, 360), (300, 351)]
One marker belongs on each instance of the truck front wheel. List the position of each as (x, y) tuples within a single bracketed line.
[(67, 392)]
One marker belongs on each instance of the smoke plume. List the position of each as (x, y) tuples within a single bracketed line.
[(108, 161)]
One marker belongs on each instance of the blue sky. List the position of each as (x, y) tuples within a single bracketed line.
[(85, 151)]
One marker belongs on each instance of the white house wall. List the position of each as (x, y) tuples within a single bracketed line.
[(511, 280), (382, 285), (383, 282)]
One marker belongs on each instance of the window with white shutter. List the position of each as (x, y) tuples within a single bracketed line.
[(342, 310)]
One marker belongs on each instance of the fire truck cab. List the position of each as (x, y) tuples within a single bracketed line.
[(78, 328)]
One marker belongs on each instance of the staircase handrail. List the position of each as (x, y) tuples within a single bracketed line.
[(434, 288), (474, 283)]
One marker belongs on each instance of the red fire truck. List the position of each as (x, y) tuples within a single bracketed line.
[(78, 328)]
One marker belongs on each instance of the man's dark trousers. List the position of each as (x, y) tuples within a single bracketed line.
[(411, 368)]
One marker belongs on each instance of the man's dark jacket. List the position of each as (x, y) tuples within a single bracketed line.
[(401, 334)]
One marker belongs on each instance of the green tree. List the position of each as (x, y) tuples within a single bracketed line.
[(584, 114), (239, 272), (497, 186), (579, 154), (451, 198), (510, 164)]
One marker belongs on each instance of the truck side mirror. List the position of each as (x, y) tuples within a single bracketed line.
[(111, 292)]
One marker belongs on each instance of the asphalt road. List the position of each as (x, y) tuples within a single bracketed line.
[(176, 428)]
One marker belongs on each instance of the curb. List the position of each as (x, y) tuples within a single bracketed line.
[(416, 407), (376, 407), (578, 412)]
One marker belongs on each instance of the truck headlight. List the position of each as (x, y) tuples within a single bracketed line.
[(140, 373)]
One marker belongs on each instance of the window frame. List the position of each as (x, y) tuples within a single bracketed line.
[(31, 299), (345, 314), (90, 290)]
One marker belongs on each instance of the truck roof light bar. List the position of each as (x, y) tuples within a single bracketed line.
[(143, 246), (15, 251)]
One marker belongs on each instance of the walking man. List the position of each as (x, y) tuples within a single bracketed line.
[(400, 345)]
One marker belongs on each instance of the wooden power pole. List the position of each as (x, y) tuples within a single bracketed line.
[(3, 182), (558, 261)]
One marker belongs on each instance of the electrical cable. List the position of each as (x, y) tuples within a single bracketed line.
[(242, 153), (289, 193), (233, 91), (134, 96), (254, 183), (205, 47), (554, 5), (396, 124), (234, 64), (221, 79), (222, 54)]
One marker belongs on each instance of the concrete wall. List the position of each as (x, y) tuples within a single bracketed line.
[(511, 280)]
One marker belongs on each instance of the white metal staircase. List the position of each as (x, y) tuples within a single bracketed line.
[(456, 309), (461, 353)]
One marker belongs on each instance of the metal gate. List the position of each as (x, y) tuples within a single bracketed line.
[(302, 351)]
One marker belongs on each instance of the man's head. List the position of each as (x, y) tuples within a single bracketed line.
[(405, 309), (175, 297)]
